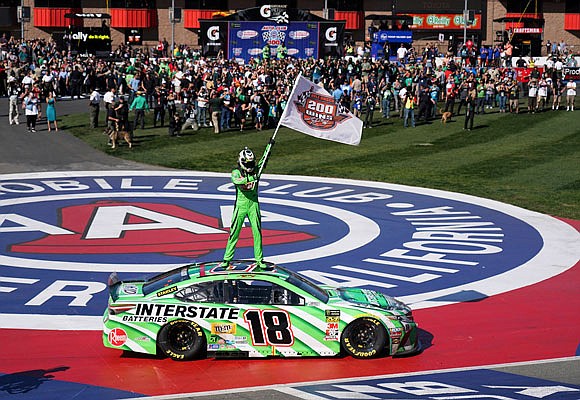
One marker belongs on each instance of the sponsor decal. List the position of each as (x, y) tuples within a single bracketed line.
[(167, 291), (332, 331), (174, 310), (61, 235), (222, 328), (237, 51), (292, 51), (309, 51), (332, 316), (117, 337), (319, 111), (129, 289)]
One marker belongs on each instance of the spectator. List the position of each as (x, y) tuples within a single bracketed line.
[(140, 105), (409, 111), (570, 95), (51, 112), (31, 110), (94, 107), (215, 107)]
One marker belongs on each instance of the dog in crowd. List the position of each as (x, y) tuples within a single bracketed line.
[(445, 116), (115, 135)]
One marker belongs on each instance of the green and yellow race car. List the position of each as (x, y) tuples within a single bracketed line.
[(242, 311)]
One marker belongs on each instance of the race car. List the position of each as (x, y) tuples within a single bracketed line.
[(241, 310)]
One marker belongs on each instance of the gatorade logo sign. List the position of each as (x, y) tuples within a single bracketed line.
[(63, 233), (331, 34), (213, 33)]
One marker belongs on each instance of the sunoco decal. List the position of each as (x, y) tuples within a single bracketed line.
[(62, 234)]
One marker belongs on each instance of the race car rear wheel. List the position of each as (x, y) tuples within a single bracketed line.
[(181, 340), (364, 338)]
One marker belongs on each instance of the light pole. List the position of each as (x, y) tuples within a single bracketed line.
[(172, 16), (465, 16), (22, 20)]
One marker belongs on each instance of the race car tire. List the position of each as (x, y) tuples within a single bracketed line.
[(181, 340), (364, 338)]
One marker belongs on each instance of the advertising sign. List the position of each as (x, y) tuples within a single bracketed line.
[(246, 39), (213, 35), (571, 73), (528, 30), (443, 21), (89, 40), (393, 37), (427, 6), (331, 35)]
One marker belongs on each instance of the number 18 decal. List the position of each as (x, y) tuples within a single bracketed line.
[(269, 327)]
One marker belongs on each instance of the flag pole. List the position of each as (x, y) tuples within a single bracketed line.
[(273, 138)]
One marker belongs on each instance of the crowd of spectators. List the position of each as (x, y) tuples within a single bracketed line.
[(187, 91)]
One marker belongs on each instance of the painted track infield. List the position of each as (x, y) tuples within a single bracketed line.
[(533, 321)]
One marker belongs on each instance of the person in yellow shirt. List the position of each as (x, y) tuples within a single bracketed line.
[(409, 110)]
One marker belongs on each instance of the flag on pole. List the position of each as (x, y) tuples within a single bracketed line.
[(313, 111)]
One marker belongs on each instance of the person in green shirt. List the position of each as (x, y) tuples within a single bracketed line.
[(281, 51), (480, 102), (140, 105), (246, 177), (266, 53)]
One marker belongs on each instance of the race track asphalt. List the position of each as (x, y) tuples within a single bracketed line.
[(23, 152)]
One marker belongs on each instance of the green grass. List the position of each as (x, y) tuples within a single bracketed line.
[(532, 161)]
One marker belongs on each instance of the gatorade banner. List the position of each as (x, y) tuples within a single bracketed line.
[(330, 37), (213, 37), (247, 39)]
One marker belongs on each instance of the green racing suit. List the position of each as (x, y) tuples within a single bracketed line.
[(247, 205)]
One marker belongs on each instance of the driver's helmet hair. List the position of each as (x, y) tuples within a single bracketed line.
[(247, 160)]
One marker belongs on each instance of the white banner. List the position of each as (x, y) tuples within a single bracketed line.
[(313, 111)]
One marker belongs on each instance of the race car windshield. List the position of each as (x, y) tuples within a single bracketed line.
[(304, 284)]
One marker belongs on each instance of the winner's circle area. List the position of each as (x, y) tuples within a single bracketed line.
[(462, 263)]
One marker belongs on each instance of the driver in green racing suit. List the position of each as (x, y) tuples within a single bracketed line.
[(246, 177)]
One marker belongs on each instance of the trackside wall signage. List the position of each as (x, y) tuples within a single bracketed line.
[(62, 234)]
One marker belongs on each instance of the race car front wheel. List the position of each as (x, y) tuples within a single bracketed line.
[(364, 338), (181, 340)]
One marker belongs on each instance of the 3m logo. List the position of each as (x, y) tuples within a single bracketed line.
[(117, 337)]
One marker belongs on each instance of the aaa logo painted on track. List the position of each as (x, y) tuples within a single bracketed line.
[(63, 233)]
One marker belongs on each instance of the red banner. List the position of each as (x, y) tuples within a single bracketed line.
[(442, 21)]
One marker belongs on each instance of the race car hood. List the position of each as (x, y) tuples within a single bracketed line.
[(371, 298)]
